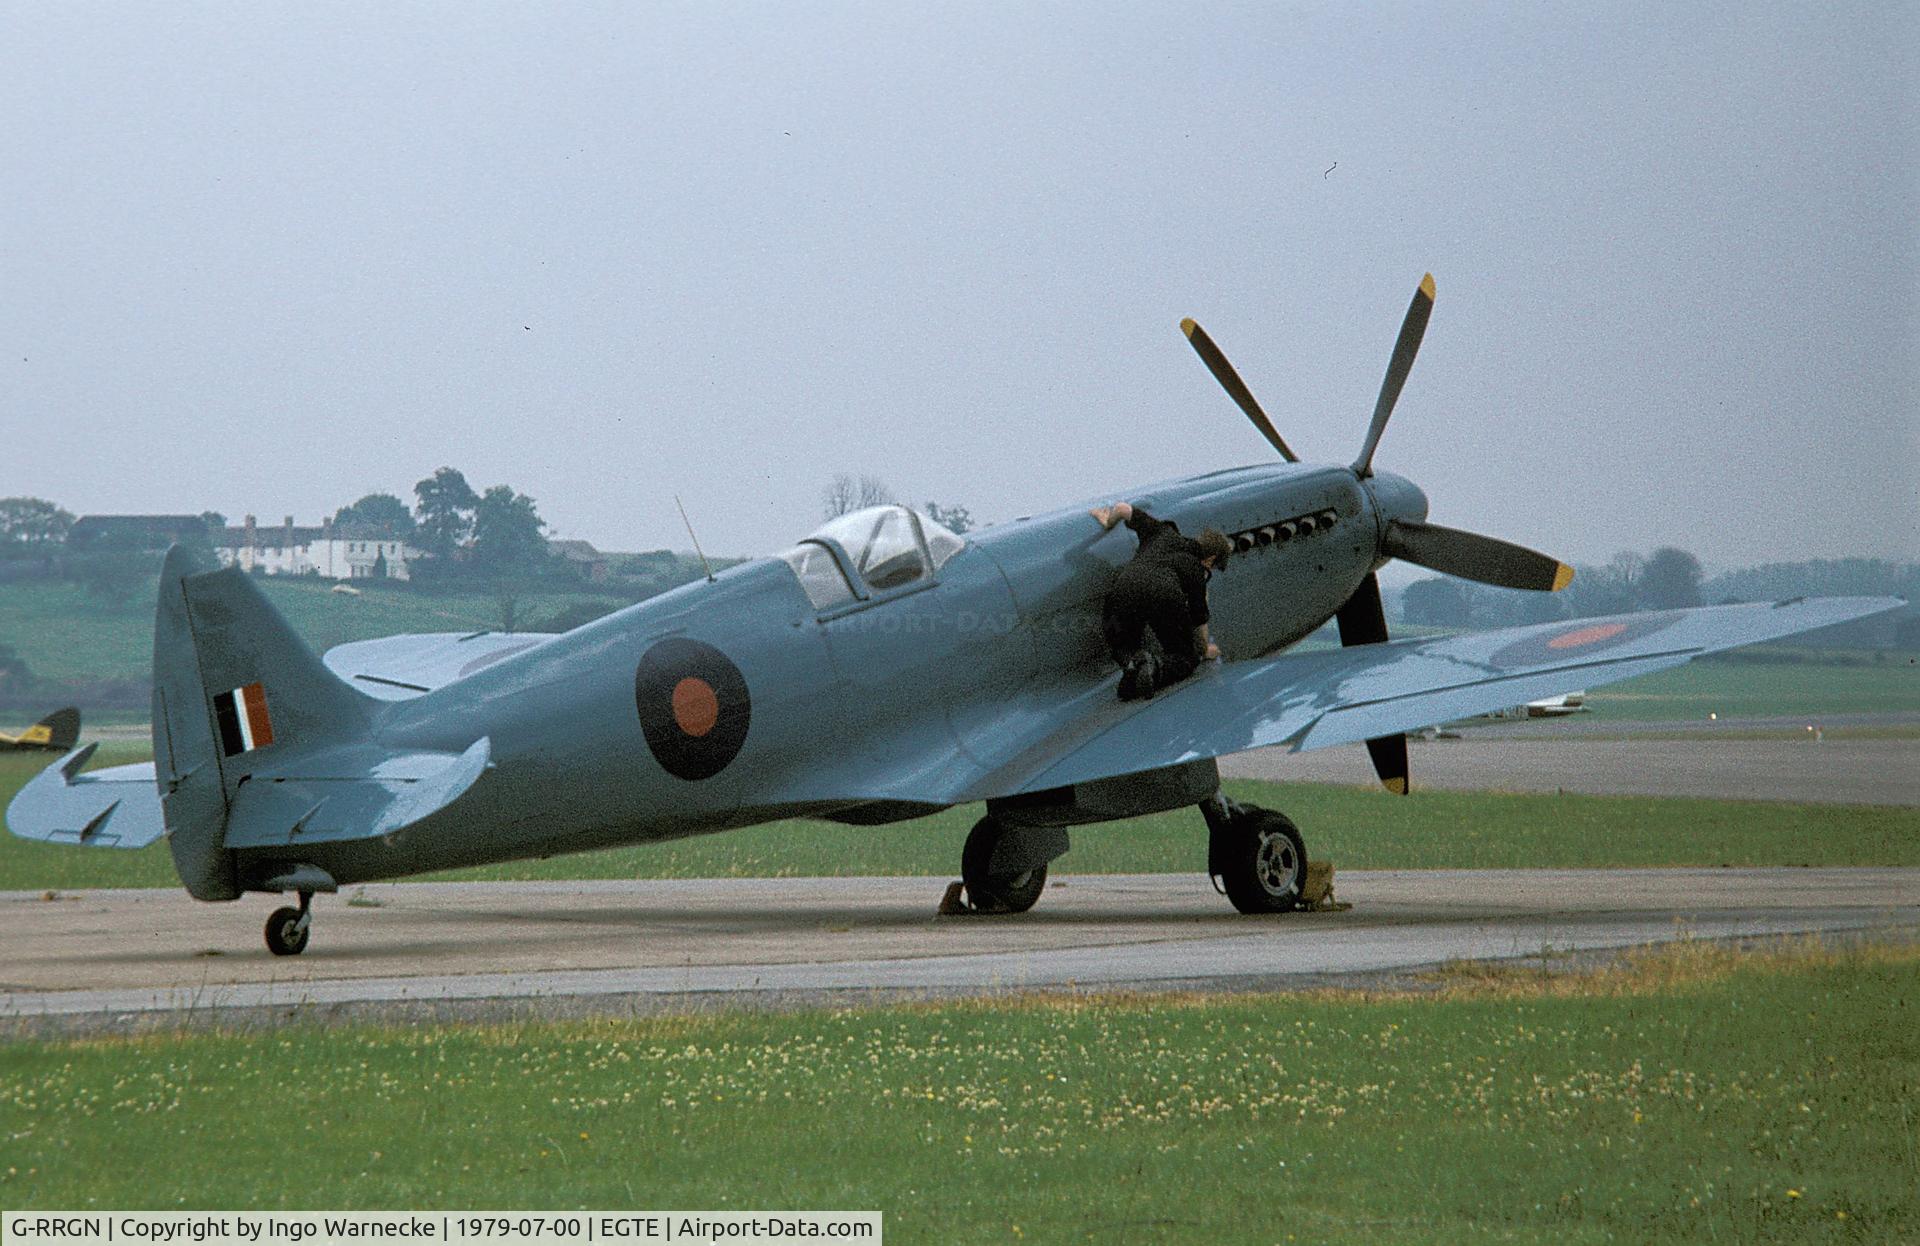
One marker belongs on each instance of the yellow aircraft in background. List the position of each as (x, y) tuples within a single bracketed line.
[(57, 733)]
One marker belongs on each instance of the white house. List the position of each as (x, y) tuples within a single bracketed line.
[(349, 552)]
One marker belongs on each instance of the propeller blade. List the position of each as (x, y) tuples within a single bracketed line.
[(1363, 621), (1412, 329), (1474, 557), (1236, 388), (1389, 753)]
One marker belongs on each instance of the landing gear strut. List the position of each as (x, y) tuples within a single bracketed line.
[(1256, 854), (288, 927)]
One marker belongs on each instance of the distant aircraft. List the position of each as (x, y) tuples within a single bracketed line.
[(1549, 707), (57, 732), (1546, 707), (882, 669)]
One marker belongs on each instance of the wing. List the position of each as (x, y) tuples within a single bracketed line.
[(398, 668), (1313, 700), (118, 807)]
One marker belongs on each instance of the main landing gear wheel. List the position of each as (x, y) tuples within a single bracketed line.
[(288, 928), (1260, 859), (996, 893)]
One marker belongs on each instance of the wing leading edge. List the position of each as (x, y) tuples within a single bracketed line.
[(1315, 700)]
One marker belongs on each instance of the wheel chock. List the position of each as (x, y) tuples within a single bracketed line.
[(954, 904), (1316, 895)]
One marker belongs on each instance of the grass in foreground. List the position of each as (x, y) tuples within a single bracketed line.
[(1356, 828), (1692, 1093)]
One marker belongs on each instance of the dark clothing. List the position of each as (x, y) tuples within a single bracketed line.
[(1156, 602), (1161, 545)]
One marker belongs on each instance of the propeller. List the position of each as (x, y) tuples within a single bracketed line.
[(1412, 329), (1474, 557), (1469, 555), (1230, 381), (1363, 621)]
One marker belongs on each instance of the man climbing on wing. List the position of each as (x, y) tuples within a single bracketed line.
[(1155, 615)]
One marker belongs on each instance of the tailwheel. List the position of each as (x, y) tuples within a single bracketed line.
[(1003, 892), (1258, 856), (288, 928)]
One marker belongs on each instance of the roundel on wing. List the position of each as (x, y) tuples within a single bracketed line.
[(694, 707), (1575, 639)]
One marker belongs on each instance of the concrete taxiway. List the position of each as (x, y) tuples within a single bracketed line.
[(148, 953), (1832, 770)]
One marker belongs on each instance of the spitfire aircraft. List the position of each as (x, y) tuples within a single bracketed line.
[(881, 669)]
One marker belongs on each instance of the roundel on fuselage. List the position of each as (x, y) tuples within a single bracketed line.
[(694, 708)]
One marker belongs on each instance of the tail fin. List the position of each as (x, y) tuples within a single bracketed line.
[(63, 728), (233, 686)]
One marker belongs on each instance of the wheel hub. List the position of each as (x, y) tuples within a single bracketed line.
[(1277, 864)]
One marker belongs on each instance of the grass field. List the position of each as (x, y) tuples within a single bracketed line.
[(1354, 827), (1763, 689), (1693, 1094)]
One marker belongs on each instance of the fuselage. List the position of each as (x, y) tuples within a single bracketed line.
[(911, 682)]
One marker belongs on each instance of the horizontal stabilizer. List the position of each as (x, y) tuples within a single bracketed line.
[(399, 668), (118, 807), (355, 791)]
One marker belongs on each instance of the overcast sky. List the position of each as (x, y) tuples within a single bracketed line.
[(266, 259)]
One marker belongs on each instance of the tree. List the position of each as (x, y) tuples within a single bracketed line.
[(506, 533), (379, 510), (846, 493), (30, 523), (1670, 580), (1438, 602), (955, 519), (446, 508), (1612, 589), (1513, 607)]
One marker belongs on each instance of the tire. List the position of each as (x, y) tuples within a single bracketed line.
[(1265, 869), (1004, 893), (286, 934)]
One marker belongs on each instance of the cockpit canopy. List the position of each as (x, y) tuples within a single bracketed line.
[(886, 547)]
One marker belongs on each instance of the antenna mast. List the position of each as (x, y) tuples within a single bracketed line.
[(696, 540)]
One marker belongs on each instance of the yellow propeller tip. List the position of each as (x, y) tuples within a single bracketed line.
[(1562, 577), (1397, 786), (1187, 326), (1426, 285)]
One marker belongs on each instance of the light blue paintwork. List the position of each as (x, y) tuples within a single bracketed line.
[(986, 679), (114, 807)]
